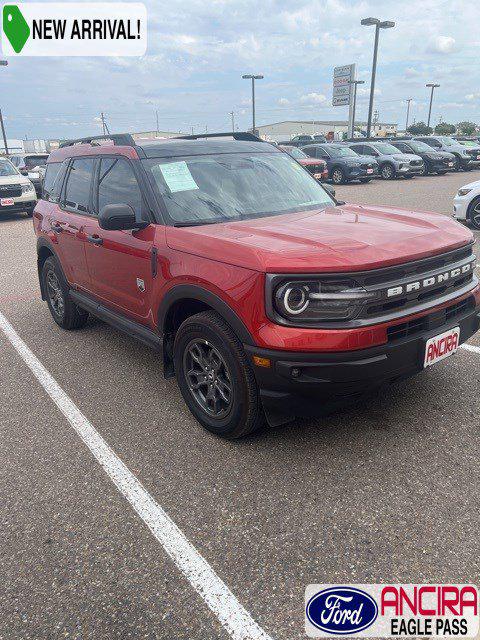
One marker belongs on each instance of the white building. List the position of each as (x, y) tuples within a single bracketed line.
[(287, 129)]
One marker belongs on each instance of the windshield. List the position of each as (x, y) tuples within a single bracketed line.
[(469, 143), (296, 153), (419, 146), (236, 186), (448, 142), (342, 152), (385, 148), (35, 161), (7, 168)]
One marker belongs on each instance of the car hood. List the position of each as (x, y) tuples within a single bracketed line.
[(335, 239), (440, 154), (15, 179), (308, 162), (405, 157)]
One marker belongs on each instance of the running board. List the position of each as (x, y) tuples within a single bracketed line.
[(117, 320)]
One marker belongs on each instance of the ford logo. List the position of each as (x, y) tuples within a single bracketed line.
[(342, 610)]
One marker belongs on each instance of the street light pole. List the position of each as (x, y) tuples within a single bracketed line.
[(355, 84), (386, 24), (4, 63), (253, 78), (433, 86), (408, 113)]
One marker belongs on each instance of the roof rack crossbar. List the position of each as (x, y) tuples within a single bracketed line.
[(124, 139), (237, 135)]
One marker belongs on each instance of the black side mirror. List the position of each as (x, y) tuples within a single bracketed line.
[(119, 217)]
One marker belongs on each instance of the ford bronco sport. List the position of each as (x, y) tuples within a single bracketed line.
[(266, 297)]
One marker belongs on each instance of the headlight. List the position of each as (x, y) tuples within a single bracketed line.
[(28, 188), (303, 301), (463, 192)]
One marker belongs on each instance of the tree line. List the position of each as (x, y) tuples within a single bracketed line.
[(443, 129)]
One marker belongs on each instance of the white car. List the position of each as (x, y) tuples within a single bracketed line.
[(17, 193), (466, 204)]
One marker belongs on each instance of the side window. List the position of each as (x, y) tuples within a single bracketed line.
[(310, 151), (117, 184), (77, 189), (52, 181), (359, 148), (402, 147), (369, 151)]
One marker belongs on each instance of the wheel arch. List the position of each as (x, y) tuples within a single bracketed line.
[(183, 301), (44, 251), (471, 205)]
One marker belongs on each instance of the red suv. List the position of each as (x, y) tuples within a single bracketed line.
[(266, 297)]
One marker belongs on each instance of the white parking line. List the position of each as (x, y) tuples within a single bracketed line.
[(236, 620), (471, 347)]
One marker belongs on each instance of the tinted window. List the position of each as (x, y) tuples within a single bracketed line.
[(7, 168), (342, 152), (117, 185), (51, 174), (35, 161), (77, 190)]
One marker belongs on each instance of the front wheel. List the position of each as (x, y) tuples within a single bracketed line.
[(215, 376), (387, 172), (338, 176), (474, 213)]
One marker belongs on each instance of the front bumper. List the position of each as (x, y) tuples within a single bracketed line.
[(440, 165), (20, 205), (410, 170), (357, 173), (299, 384), (469, 163), (460, 207)]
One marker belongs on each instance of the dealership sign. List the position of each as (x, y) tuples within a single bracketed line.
[(74, 29), (342, 87), (392, 610)]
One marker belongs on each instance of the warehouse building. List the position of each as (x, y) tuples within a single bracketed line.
[(289, 128)]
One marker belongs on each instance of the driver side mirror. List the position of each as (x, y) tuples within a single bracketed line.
[(119, 217)]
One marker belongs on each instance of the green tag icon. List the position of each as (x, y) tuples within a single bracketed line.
[(15, 27)]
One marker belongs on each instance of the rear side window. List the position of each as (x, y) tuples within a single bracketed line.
[(117, 184), (79, 181), (51, 173)]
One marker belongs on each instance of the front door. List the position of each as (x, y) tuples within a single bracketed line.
[(119, 262)]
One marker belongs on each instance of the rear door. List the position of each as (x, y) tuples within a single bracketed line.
[(68, 219), (119, 262)]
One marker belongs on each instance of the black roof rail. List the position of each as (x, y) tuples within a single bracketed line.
[(124, 139), (237, 135)]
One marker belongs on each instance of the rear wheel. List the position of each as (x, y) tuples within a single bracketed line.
[(215, 376), (338, 176), (474, 213), (387, 171), (65, 313)]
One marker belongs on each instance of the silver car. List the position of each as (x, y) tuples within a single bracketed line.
[(392, 163)]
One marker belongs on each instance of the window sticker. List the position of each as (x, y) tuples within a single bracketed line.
[(177, 176)]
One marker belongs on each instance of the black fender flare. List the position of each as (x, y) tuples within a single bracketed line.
[(196, 292)]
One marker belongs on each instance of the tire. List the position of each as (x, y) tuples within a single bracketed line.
[(457, 165), (207, 346), (426, 170), (388, 171), (473, 213), (338, 175), (408, 177), (65, 313), (29, 213), (365, 180), (441, 173)]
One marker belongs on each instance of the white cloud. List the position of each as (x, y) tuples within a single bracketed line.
[(313, 98), (441, 44), (284, 101)]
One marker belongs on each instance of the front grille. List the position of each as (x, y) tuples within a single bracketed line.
[(315, 168), (367, 166), (430, 321), (10, 191)]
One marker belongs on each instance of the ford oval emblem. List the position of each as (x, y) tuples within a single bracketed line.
[(342, 610)]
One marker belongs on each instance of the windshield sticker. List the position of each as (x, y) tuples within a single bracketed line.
[(177, 176)]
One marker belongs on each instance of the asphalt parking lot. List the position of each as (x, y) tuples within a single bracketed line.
[(385, 491)]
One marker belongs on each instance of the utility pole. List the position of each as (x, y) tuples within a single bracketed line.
[(355, 85), (386, 24), (432, 86), (233, 120), (408, 113), (156, 117), (104, 124), (253, 78), (5, 143)]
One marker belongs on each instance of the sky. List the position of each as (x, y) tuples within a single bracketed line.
[(198, 50)]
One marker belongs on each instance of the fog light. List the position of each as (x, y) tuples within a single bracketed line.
[(296, 373), (262, 362)]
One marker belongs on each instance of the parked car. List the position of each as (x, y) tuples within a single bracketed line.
[(466, 204), (433, 161), (17, 193), (300, 140), (317, 167), (31, 165), (465, 158), (344, 165), (392, 163), (265, 296)]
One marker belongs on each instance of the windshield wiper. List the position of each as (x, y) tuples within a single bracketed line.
[(197, 223)]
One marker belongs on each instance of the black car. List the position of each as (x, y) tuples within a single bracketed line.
[(301, 140), (433, 161), (465, 157), (31, 165), (344, 165)]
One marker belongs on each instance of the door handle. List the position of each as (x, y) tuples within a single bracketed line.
[(56, 227), (95, 239)]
